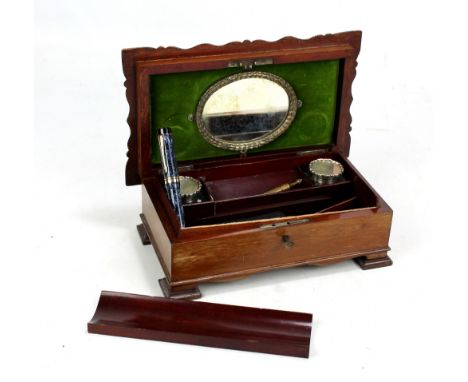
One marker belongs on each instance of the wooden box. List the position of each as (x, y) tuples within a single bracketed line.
[(237, 230)]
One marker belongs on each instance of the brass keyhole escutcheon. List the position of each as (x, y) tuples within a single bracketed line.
[(288, 243)]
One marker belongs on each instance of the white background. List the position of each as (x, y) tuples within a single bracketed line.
[(70, 221)]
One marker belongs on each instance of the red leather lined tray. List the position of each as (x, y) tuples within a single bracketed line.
[(203, 323)]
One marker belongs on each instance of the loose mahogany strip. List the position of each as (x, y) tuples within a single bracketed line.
[(203, 323)]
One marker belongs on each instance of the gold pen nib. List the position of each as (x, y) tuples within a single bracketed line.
[(283, 187)]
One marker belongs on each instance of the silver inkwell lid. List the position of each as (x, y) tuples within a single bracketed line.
[(326, 171), (190, 189)]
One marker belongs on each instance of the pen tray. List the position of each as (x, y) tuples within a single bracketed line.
[(238, 195)]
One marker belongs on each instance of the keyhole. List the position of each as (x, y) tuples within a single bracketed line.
[(288, 243)]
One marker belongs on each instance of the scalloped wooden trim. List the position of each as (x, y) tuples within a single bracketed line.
[(131, 56)]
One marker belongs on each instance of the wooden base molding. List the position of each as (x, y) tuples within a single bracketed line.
[(145, 240), (188, 293), (370, 263)]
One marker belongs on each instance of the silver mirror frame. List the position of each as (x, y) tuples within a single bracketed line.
[(244, 146)]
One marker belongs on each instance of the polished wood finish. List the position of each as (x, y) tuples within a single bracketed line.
[(140, 63), (227, 236), (179, 292), (370, 262), (224, 251), (202, 323), (262, 249)]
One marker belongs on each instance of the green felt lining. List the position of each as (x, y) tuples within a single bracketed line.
[(175, 96)]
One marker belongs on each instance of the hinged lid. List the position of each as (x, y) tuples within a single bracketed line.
[(165, 85)]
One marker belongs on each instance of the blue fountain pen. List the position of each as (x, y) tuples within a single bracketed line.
[(170, 172)]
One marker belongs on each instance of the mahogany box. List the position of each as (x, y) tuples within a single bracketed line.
[(246, 118)]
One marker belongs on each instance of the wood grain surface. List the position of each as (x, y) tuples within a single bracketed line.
[(224, 240), (202, 323), (140, 63)]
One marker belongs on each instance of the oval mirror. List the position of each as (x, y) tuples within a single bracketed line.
[(246, 110)]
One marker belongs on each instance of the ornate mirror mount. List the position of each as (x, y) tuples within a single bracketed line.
[(246, 110)]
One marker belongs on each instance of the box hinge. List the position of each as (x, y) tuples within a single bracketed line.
[(249, 64)]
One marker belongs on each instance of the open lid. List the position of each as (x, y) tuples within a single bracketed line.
[(168, 87)]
